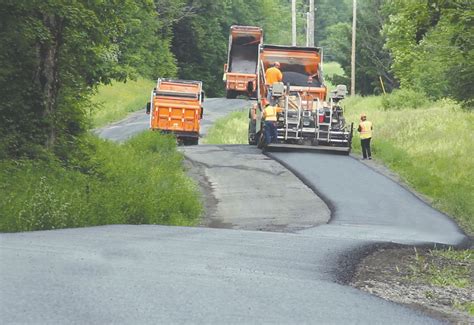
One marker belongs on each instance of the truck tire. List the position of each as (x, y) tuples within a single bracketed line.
[(231, 94), (252, 137), (260, 140)]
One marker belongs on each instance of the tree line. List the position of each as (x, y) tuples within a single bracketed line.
[(423, 45), (55, 53)]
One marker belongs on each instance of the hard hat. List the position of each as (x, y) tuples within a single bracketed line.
[(277, 64), (363, 115)]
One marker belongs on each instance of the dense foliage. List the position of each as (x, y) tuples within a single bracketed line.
[(54, 53), (433, 50), (200, 34), (423, 45), (140, 182)]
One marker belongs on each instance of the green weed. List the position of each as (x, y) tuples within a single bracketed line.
[(444, 267), (139, 182)]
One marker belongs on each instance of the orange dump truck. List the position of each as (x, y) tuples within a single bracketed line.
[(176, 107), (240, 71)]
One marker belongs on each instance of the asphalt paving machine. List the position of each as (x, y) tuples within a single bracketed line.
[(307, 120)]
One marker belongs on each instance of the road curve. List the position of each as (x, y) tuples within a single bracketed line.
[(155, 274), (368, 205)]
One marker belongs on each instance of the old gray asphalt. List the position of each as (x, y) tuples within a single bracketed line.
[(157, 274)]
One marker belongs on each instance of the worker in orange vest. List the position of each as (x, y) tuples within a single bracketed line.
[(270, 117), (365, 130), (272, 75)]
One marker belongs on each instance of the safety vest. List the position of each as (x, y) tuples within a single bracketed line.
[(270, 113), (273, 75), (365, 128)]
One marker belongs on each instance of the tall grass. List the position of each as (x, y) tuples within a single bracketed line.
[(140, 182), (113, 102), (232, 129)]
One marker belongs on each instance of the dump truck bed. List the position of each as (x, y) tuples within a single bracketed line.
[(176, 108), (242, 60)]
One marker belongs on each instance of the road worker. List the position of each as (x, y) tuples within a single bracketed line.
[(270, 117), (272, 75), (365, 130)]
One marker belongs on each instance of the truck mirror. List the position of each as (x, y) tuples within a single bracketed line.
[(202, 112), (202, 96), (148, 107)]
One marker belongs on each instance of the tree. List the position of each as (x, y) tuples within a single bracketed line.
[(54, 54), (372, 59), (200, 40), (433, 50)]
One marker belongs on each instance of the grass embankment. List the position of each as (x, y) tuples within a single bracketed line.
[(139, 182), (430, 147), (113, 102), (232, 129)]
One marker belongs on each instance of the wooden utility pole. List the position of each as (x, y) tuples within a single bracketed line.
[(311, 22), (353, 58), (293, 22), (308, 27)]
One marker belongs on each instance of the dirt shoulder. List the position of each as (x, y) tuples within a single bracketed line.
[(421, 278)]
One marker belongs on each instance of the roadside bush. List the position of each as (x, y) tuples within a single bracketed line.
[(139, 182), (405, 99)]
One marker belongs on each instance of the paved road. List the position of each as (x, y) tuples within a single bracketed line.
[(214, 108), (157, 274)]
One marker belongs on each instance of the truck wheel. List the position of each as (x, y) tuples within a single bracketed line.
[(231, 94), (260, 140), (252, 137)]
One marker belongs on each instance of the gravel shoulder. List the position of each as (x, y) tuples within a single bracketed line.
[(396, 274)]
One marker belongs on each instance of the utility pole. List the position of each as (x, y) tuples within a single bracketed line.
[(293, 22), (308, 27), (354, 20), (311, 24)]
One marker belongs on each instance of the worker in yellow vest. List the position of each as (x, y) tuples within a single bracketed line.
[(270, 117), (365, 130)]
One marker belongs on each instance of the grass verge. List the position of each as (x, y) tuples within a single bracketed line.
[(237, 122), (139, 182), (113, 102)]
